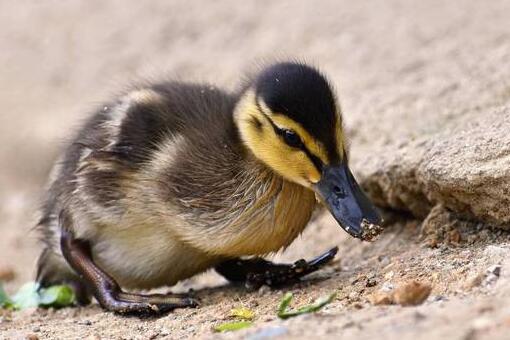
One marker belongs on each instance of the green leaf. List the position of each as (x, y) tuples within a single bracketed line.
[(287, 298), (242, 313), (26, 297), (317, 304), (5, 301), (56, 296), (283, 313), (232, 326), (29, 296)]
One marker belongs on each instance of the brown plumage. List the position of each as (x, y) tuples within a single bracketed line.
[(173, 178)]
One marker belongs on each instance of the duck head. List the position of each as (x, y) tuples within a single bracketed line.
[(289, 118)]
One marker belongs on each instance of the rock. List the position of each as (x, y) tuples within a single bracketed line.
[(387, 287), (463, 165), (492, 275), (381, 298), (412, 293), (389, 275), (494, 270), (164, 332), (85, 322), (354, 279), (263, 290), (32, 337), (454, 236), (385, 260), (357, 305), (353, 296), (474, 281), (372, 282), (439, 298), (7, 273), (153, 335), (486, 278)]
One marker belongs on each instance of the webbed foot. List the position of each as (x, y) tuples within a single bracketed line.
[(257, 272)]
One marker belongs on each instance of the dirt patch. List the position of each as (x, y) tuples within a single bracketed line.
[(459, 276)]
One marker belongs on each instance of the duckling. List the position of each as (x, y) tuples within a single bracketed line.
[(172, 179)]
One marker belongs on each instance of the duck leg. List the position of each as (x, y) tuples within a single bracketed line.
[(257, 272), (107, 292), (50, 272)]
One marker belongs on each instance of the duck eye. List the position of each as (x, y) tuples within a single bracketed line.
[(291, 138)]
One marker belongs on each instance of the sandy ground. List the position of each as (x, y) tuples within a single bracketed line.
[(402, 68)]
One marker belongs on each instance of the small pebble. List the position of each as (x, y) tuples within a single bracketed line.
[(381, 298), (387, 287), (353, 280), (389, 275), (474, 281), (492, 275), (454, 236), (353, 295), (357, 305), (263, 290), (385, 260), (7, 273), (439, 298), (412, 293), (154, 335), (371, 282), (494, 269)]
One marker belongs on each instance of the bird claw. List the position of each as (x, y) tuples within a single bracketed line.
[(149, 306), (277, 275)]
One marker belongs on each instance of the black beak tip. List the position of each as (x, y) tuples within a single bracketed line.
[(366, 229), (353, 231), (370, 230)]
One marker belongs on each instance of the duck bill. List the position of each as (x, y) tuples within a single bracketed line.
[(343, 197)]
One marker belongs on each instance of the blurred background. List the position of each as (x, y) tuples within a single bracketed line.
[(402, 70)]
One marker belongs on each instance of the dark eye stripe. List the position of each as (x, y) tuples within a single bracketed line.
[(316, 161)]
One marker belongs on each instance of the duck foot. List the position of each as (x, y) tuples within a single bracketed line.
[(106, 290), (257, 272)]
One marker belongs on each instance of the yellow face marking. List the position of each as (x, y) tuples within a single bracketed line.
[(284, 122), (314, 146), (339, 134), (259, 136)]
